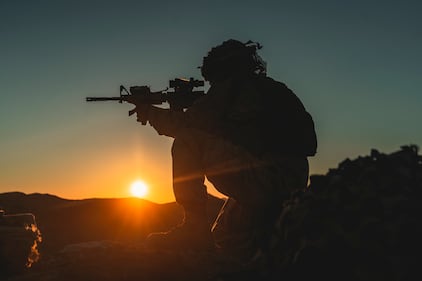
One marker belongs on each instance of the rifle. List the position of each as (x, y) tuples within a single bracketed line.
[(182, 96)]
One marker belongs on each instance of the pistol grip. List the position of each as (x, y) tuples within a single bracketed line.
[(132, 111)]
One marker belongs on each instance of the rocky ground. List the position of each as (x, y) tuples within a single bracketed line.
[(109, 261)]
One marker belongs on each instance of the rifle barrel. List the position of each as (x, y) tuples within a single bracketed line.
[(103, 98)]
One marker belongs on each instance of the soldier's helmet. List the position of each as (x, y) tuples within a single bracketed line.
[(232, 57)]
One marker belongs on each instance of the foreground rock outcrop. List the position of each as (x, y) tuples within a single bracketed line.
[(360, 221)]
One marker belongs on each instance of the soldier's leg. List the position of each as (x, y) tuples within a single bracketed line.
[(253, 181), (194, 233), (188, 179), (258, 188)]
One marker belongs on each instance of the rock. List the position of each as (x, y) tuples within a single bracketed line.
[(19, 239), (360, 221)]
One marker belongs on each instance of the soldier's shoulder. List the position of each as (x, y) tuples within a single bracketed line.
[(272, 85)]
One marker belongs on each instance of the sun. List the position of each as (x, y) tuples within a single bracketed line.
[(139, 189)]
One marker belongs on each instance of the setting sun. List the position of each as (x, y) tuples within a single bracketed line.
[(138, 189)]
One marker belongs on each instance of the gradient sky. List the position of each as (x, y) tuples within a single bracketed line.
[(356, 65)]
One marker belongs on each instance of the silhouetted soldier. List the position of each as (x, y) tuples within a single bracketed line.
[(250, 136)]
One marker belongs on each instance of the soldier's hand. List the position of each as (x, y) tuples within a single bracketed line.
[(141, 111)]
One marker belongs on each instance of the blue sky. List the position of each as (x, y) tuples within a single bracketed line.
[(356, 65)]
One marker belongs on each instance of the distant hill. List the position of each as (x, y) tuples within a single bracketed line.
[(62, 221)]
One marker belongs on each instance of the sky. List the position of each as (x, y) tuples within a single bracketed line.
[(356, 66)]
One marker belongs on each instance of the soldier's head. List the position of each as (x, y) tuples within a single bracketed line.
[(232, 58)]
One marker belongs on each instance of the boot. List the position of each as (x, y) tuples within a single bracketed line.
[(235, 234), (193, 234)]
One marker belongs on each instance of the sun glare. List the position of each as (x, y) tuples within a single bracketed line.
[(138, 189)]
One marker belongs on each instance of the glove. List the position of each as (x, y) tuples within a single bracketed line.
[(142, 111)]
